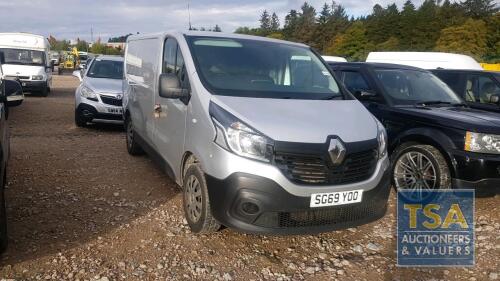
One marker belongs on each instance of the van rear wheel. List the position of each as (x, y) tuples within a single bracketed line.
[(197, 203)]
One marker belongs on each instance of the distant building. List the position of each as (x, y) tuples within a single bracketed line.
[(120, 45)]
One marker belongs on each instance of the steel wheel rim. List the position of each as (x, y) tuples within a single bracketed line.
[(193, 198), (415, 172)]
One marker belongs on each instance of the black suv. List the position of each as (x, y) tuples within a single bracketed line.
[(435, 139), (479, 89), (7, 87)]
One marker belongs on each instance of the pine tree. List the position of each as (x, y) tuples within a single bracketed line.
[(290, 27), (275, 23), (265, 23), (480, 9)]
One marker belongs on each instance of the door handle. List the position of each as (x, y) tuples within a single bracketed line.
[(157, 108)]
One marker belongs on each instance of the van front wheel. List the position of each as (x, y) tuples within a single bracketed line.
[(196, 202), (133, 147)]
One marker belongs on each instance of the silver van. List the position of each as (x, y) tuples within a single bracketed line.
[(256, 131)]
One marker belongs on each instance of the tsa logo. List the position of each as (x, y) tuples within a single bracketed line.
[(437, 231)]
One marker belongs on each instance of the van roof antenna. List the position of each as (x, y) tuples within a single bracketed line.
[(189, 16)]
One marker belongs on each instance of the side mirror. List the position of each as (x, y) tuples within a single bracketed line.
[(78, 74), (495, 99), (170, 87), (365, 94), (13, 92)]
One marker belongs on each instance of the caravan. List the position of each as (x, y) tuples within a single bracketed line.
[(27, 58)]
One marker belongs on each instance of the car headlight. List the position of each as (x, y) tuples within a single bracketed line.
[(88, 93), (482, 143), (382, 140), (233, 135), (37, 77)]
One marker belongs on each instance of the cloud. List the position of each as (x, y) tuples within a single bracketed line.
[(72, 19)]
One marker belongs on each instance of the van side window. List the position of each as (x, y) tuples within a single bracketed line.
[(179, 67), (354, 81), (169, 55)]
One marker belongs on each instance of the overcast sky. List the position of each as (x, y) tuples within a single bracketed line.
[(71, 19)]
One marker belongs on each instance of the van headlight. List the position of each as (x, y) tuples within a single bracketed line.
[(482, 143), (382, 140), (88, 93), (235, 136), (37, 77)]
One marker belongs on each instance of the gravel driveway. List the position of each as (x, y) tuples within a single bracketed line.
[(81, 208)]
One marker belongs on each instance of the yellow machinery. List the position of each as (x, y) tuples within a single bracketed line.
[(491, 66), (70, 61)]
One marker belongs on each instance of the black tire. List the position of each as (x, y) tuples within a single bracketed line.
[(3, 214), (80, 120), (440, 169), (133, 146), (44, 92), (205, 222)]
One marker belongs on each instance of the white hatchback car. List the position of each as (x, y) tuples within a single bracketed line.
[(99, 96)]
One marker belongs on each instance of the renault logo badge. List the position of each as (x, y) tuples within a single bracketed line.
[(337, 151)]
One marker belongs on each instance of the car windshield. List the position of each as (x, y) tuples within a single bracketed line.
[(409, 87), (23, 57), (109, 69), (252, 68)]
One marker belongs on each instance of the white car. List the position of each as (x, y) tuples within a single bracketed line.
[(99, 96)]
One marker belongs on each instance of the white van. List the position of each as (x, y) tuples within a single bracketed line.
[(333, 59), (257, 132), (27, 58), (425, 60)]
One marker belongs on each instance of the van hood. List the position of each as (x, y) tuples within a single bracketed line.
[(463, 118), (22, 70), (102, 85), (303, 121)]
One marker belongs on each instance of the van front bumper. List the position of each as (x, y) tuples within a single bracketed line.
[(33, 86), (255, 204)]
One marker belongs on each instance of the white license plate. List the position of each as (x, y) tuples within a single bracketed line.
[(23, 84), (336, 198), (115, 110)]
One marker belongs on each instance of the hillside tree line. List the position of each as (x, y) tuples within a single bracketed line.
[(469, 27)]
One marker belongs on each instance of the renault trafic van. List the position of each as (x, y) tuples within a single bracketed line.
[(256, 131)]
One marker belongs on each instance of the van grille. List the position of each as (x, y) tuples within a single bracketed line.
[(111, 100), (305, 169), (17, 77), (322, 217)]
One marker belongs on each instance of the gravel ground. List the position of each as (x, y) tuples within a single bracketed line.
[(81, 208)]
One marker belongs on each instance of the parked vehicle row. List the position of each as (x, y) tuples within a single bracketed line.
[(7, 87), (264, 136)]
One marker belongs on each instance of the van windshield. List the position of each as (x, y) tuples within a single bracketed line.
[(410, 87), (252, 68), (108, 69), (23, 57)]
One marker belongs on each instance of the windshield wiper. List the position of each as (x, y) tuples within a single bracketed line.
[(332, 97), (431, 102)]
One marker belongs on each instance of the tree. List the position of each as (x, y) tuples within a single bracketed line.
[(82, 45), (392, 44), (480, 9), (306, 24), (265, 22), (291, 23), (469, 38), (353, 44), (275, 23), (119, 39)]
